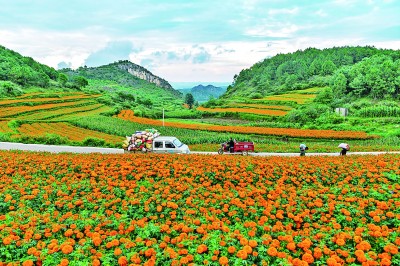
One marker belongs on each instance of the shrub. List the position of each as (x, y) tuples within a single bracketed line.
[(94, 142), (54, 139), (8, 88), (256, 95), (307, 113)]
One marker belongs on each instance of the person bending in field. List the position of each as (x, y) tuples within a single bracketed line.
[(303, 149)]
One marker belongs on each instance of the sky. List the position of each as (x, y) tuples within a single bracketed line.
[(190, 41)]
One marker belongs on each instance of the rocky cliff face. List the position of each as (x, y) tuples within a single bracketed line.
[(142, 73)]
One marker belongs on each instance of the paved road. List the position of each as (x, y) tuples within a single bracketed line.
[(78, 149), (307, 154), (56, 148)]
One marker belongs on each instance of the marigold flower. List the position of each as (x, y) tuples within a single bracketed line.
[(64, 262), (308, 258), (242, 254), (122, 261), (231, 249), (272, 251), (67, 249), (340, 242), (28, 263), (291, 246), (7, 240), (117, 251), (202, 248), (253, 243), (223, 260)]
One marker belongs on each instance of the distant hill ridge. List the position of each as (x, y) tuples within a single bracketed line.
[(203, 93)]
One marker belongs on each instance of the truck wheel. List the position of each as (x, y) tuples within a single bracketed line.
[(220, 151), (245, 153)]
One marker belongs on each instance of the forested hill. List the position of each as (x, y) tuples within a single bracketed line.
[(125, 73), (348, 71), (24, 71)]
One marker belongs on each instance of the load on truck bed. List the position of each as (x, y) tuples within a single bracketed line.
[(151, 141)]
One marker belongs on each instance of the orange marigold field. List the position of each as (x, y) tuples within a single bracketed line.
[(131, 209), (65, 130), (290, 132)]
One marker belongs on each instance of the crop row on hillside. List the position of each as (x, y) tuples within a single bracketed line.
[(291, 97), (4, 128), (59, 112), (269, 112), (51, 107), (260, 106), (45, 98), (302, 133), (174, 210)]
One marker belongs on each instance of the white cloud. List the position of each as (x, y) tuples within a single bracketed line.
[(51, 48), (321, 13), (287, 11), (273, 31), (345, 2)]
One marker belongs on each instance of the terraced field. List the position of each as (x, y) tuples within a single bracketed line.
[(37, 114), (274, 105), (76, 118)]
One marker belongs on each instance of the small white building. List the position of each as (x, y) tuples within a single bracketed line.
[(342, 111)]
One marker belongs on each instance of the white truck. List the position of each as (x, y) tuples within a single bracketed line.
[(160, 144), (164, 144)]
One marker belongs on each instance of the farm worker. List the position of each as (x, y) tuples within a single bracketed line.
[(303, 149), (345, 147), (231, 145)]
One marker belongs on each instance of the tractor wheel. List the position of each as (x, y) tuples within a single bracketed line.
[(220, 151)]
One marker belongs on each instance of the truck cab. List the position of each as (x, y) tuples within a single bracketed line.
[(165, 144)]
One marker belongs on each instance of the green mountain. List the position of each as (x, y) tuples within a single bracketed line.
[(204, 93), (348, 71), (124, 73)]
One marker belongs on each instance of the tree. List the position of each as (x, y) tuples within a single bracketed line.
[(325, 96), (81, 82), (62, 78), (189, 100), (339, 85), (328, 67)]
